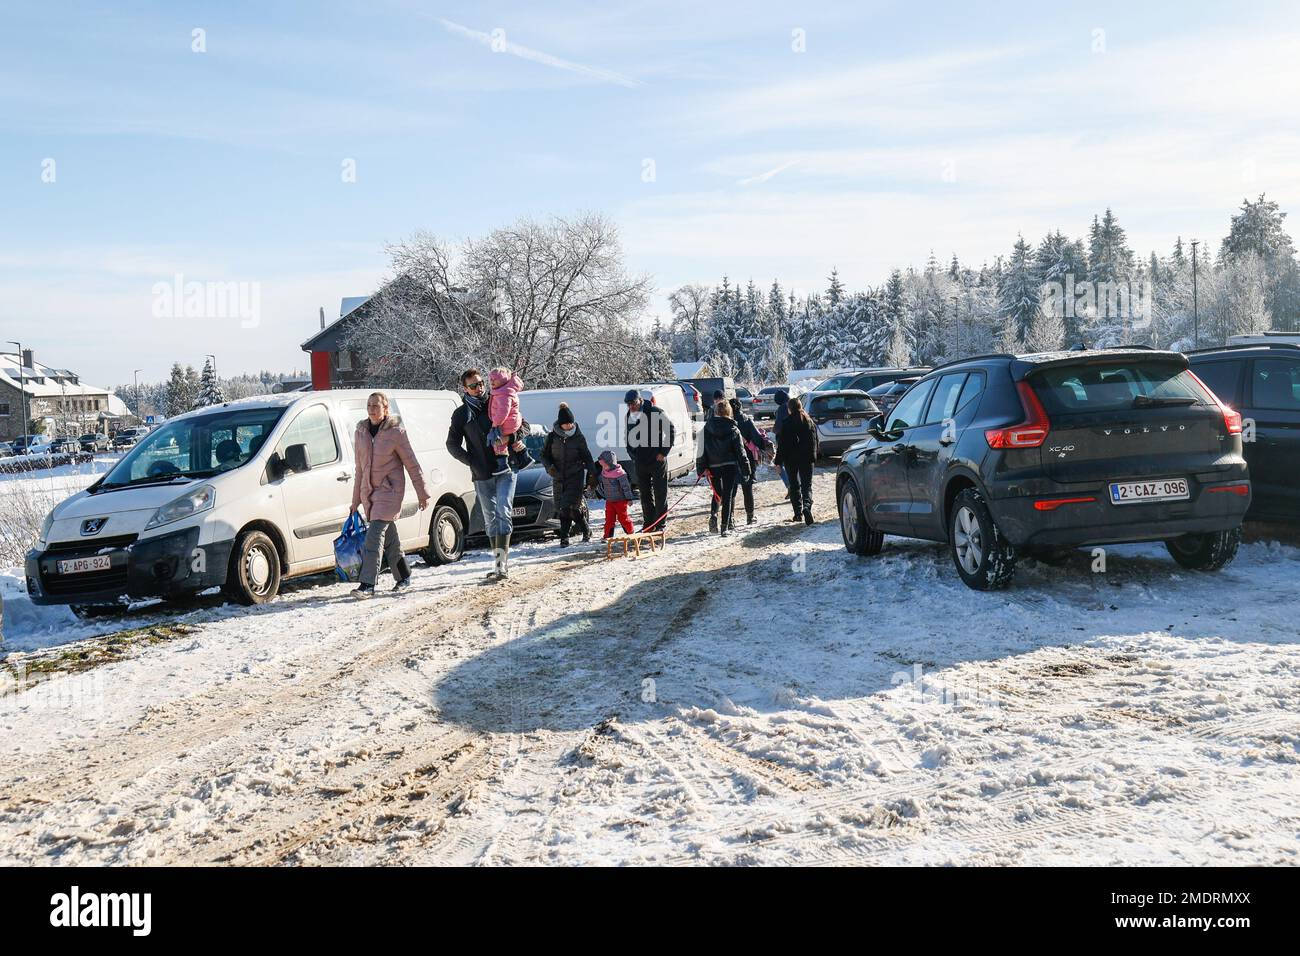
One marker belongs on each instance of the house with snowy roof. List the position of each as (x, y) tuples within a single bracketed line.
[(31, 390)]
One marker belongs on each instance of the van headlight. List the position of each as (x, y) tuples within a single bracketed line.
[(192, 502)]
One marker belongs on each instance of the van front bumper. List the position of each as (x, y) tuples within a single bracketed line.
[(162, 566)]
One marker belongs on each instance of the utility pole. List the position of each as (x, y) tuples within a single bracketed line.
[(137, 394), (1196, 317), (22, 385), (956, 321)]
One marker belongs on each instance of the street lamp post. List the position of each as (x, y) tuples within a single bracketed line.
[(1196, 317), (136, 373), (956, 321), (22, 385)]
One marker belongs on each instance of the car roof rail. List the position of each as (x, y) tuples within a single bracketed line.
[(1243, 345), (970, 358)]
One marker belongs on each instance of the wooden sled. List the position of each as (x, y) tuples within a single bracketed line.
[(635, 541)]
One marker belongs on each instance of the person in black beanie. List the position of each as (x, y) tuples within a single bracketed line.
[(569, 463)]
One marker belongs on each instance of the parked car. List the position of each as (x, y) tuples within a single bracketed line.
[(127, 437), (1262, 382), (889, 393), (534, 509), (6, 449), (765, 400), (867, 379), (716, 383), (841, 418), (241, 496), (65, 446), (600, 413), (746, 399), (1005, 455), (694, 401), (92, 442), (31, 445)]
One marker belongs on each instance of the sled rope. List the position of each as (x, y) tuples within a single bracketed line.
[(645, 528)]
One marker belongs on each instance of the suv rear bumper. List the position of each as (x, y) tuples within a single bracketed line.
[(1100, 522), (154, 567)]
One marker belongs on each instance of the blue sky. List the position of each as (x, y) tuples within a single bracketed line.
[(901, 128)]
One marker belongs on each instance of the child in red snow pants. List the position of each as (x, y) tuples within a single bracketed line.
[(616, 511)]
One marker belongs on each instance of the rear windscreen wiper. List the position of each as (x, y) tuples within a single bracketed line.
[(1151, 401)]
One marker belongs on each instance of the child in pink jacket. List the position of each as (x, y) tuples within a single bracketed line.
[(503, 410)]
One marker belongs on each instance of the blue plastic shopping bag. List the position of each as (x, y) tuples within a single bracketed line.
[(348, 548)]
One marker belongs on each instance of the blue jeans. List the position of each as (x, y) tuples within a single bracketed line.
[(496, 497)]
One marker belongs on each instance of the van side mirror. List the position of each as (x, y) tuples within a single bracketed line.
[(274, 467), (295, 459)]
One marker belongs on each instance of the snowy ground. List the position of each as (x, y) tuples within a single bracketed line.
[(761, 699)]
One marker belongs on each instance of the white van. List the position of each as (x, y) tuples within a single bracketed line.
[(241, 495), (601, 414)]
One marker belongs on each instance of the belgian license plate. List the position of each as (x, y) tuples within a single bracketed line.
[(100, 562), (519, 511), (846, 423), (1162, 489)]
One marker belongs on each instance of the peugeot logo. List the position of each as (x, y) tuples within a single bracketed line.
[(92, 525)]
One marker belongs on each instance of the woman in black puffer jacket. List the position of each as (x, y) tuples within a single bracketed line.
[(569, 463), (723, 456)]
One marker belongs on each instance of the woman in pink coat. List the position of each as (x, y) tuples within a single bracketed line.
[(383, 456)]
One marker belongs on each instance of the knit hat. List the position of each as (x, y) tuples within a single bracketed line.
[(717, 394), (565, 416), (607, 458), (630, 397)]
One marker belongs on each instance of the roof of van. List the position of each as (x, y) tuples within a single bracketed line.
[(620, 389), (282, 399)]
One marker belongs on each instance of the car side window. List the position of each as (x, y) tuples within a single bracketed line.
[(945, 397), (1222, 378), (907, 412), (1275, 383), (314, 429), (972, 390)]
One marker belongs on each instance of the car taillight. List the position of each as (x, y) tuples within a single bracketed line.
[(1051, 504), (1030, 433), (1231, 417)]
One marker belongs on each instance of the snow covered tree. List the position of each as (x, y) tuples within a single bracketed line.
[(1259, 229), (690, 307), (209, 387), (1019, 290)]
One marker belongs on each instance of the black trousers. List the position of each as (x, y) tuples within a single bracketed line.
[(652, 483), (724, 483), (801, 488), (572, 517), (746, 491)]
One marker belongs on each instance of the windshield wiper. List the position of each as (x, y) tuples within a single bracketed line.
[(1152, 401), (138, 482)]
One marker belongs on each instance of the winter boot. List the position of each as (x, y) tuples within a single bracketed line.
[(495, 573), (713, 523), (564, 532), (582, 526), (807, 517), (363, 592), (503, 562)]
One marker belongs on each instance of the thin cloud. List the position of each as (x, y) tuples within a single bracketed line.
[(500, 44), (764, 177)]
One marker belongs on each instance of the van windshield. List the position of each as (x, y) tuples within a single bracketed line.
[(195, 447)]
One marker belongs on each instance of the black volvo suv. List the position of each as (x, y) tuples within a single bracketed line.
[(1004, 455)]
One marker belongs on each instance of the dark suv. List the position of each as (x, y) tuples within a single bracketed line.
[(1262, 382), (1004, 455)]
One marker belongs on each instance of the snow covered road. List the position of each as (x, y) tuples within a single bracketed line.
[(761, 699)]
